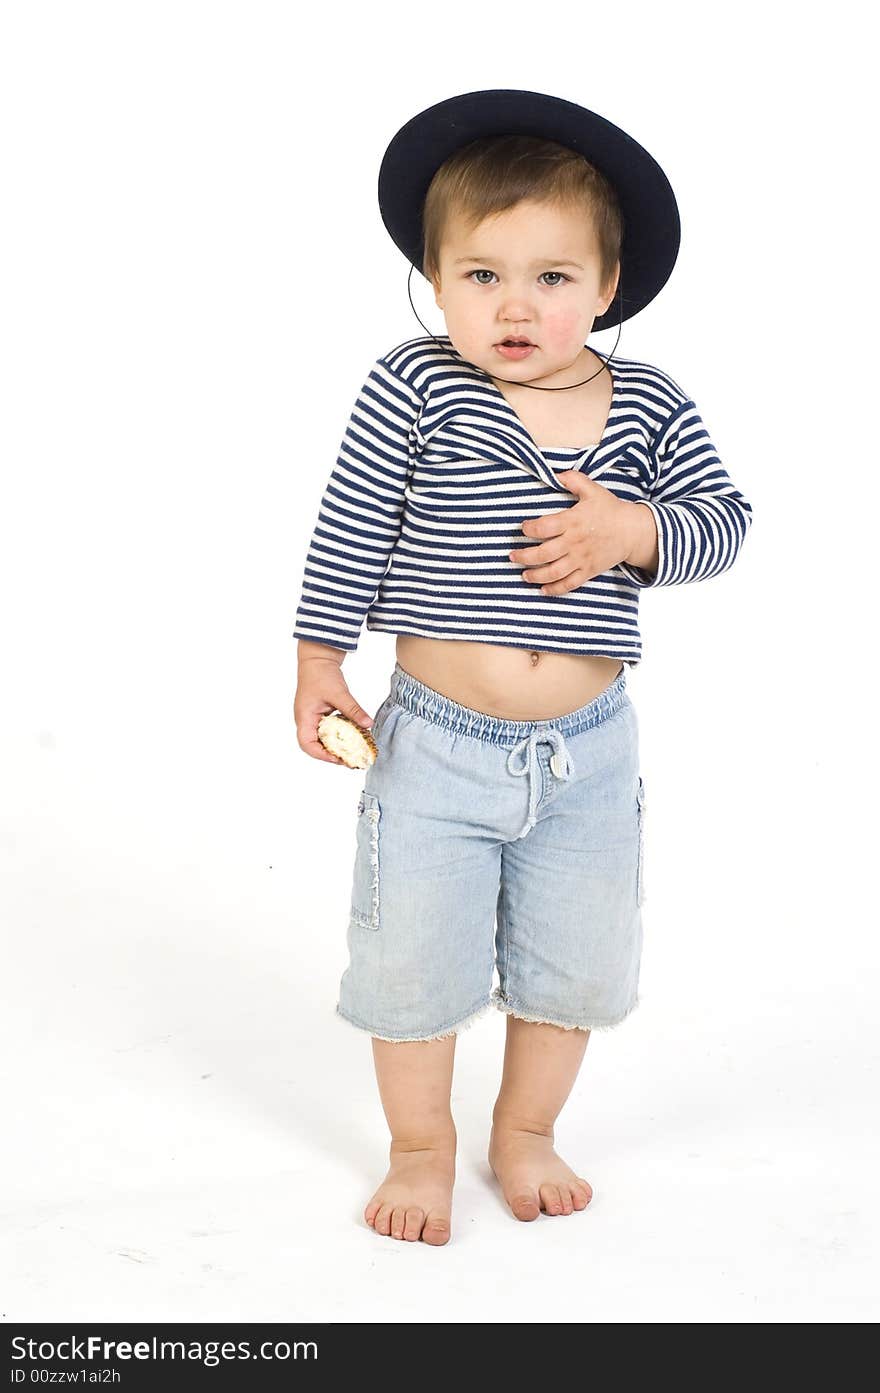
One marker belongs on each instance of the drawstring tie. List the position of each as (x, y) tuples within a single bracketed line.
[(561, 765)]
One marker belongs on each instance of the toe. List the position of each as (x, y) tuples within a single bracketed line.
[(584, 1187), (398, 1220), (383, 1220), (371, 1211), (437, 1228), (550, 1198), (415, 1218), (565, 1197), (525, 1206)]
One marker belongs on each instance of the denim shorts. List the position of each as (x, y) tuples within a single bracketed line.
[(483, 843)]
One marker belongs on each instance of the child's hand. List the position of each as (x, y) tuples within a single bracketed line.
[(321, 688), (584, 540)]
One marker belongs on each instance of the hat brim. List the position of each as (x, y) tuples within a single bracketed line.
[(652, 228)]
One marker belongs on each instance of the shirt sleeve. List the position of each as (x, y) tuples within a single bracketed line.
[(360, 513), (702, 517)]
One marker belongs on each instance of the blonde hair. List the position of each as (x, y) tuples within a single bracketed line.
[(494, 173)]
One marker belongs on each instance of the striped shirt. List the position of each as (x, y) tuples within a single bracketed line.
[(435, 475)]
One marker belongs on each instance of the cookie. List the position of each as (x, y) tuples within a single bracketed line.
[(347, 740)]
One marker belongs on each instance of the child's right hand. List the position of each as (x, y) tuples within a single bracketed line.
[(320, 689)]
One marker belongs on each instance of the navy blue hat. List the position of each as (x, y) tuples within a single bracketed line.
[(652, 230)]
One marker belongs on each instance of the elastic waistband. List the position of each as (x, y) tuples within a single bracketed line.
[(433, 706)]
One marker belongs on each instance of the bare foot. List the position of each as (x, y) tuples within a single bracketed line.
[(415, 1198), (532, 1176)]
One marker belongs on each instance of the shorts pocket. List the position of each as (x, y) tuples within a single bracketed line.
[(640, 872), (379, 718), (365, 883)]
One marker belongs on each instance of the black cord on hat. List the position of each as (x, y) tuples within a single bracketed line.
[(511, 380)]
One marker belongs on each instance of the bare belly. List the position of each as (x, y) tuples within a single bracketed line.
[(505, 681)]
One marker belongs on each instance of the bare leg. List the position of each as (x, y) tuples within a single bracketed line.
[(541, 1063), (415, 1082)]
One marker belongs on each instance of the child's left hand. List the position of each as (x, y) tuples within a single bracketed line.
[(581, 542)]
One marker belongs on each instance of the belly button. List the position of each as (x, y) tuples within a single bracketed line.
[(535, 657)]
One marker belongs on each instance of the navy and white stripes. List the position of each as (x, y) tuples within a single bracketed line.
[(436, 474)]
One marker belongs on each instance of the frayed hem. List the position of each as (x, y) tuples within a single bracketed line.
[(443, 1033), (511, 1010)]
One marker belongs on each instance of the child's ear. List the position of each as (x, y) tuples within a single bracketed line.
[(435, 283), (611, 289)]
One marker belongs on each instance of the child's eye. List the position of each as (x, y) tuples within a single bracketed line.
[(484, 272)]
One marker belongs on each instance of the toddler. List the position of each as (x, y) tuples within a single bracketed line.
[(502, 494)]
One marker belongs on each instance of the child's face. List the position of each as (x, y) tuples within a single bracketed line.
[(512, 276)]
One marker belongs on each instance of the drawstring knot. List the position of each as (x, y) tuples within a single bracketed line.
[(561, 764)]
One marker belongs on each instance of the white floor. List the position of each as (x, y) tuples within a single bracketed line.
[(194, 1135)]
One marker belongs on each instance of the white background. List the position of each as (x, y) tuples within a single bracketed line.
[(195, 281)]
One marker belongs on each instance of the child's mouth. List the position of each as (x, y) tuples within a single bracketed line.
[(515, 350)]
